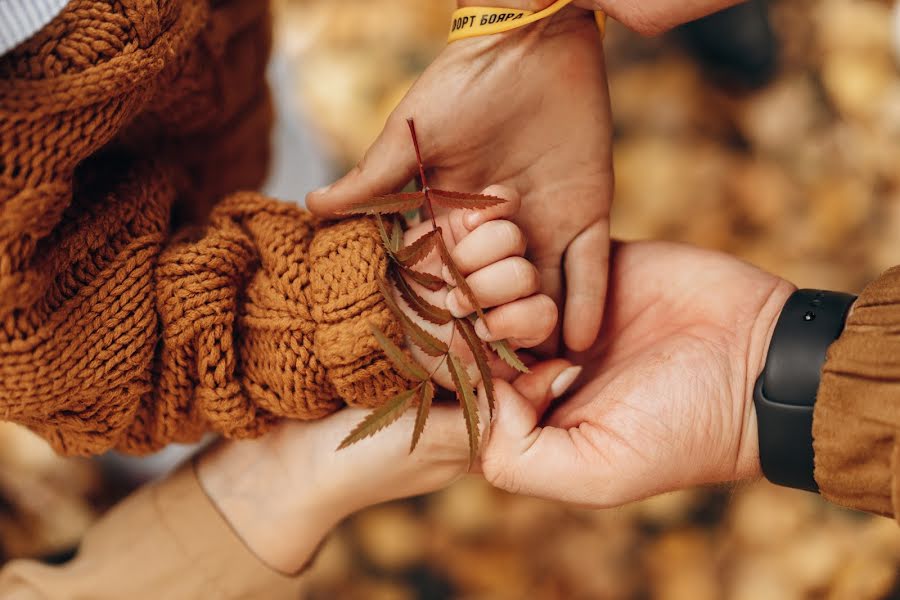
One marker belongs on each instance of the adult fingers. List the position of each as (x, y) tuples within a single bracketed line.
[(521, 457), (587, 269), (387, 166)]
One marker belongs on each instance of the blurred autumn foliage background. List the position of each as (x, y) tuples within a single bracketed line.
[(798, 173)]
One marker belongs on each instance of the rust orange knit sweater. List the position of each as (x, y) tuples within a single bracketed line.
[(135, 308)]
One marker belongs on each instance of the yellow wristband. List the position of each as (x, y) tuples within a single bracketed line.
[(474, 21)]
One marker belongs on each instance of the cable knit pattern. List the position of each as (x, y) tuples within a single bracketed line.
[(133, 313)]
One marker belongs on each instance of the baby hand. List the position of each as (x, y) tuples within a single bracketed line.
[(488, 251)]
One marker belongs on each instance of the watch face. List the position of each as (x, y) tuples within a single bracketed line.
[(809, 323)]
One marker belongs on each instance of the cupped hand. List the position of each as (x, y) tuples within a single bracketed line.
[(666, 401), (528, 109)]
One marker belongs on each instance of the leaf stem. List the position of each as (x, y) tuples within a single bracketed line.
[(425, 188)]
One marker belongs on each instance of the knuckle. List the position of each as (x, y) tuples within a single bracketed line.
[(547, 311), (512, 235), (526, 273), (497, 321)]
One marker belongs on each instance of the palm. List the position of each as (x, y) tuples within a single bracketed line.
[(667, 399)]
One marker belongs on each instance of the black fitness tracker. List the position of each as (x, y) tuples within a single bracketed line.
[(785, 393)]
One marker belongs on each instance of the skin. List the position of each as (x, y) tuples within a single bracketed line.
[(283, 493), (652, 17), (528, 110), (666, 399)]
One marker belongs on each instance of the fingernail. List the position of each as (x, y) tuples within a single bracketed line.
[(482, 330), (446, 275), (564, 381)]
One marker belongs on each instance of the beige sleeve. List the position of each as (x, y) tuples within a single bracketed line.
[(165, 541)]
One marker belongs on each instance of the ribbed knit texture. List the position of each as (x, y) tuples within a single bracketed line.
[(20, 19), (132, 313)]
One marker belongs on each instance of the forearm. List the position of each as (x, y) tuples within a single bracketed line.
[(167, 540), (282, 520)]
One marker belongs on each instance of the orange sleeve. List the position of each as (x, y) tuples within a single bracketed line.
[(123, 324), (857, 416)]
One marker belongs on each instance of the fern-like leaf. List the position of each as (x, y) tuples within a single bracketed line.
[(382, 231), (458, 277), (429, 344), (463, 200), (396, 236), (397, 356), (467, 330), (509, 356), (380, 418), (385, 205), (426, 280), (468, 402), (426, 396), (418, 250), (422, 307)]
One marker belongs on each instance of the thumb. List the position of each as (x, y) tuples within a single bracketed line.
[(388, 165), (521, 457)]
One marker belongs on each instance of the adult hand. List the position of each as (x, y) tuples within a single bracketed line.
[(667, 401), (652, 17), (528, 109)]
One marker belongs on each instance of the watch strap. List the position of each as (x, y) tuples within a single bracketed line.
[(785, 392)]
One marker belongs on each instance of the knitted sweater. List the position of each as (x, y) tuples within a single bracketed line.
[(136, 308)]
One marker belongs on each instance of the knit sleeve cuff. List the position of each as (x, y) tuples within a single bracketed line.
[(857, 415), (346, 261)]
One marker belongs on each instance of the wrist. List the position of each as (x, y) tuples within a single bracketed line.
[(747, 464), (280, 517), (785, 393)]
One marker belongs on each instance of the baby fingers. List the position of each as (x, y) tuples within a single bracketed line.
[(496, 284), (526, 323), (489, 243)]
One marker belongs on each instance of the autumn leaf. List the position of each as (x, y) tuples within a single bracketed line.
[(383, 205), (396, 236), (458, 277), (422, 307), (380, 418), (382, 231), (468, 402), (418, 250), (424, 340), (426, 280), (467, 330), (509, 356), (463, 200), (426, 395), (397, 356)]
